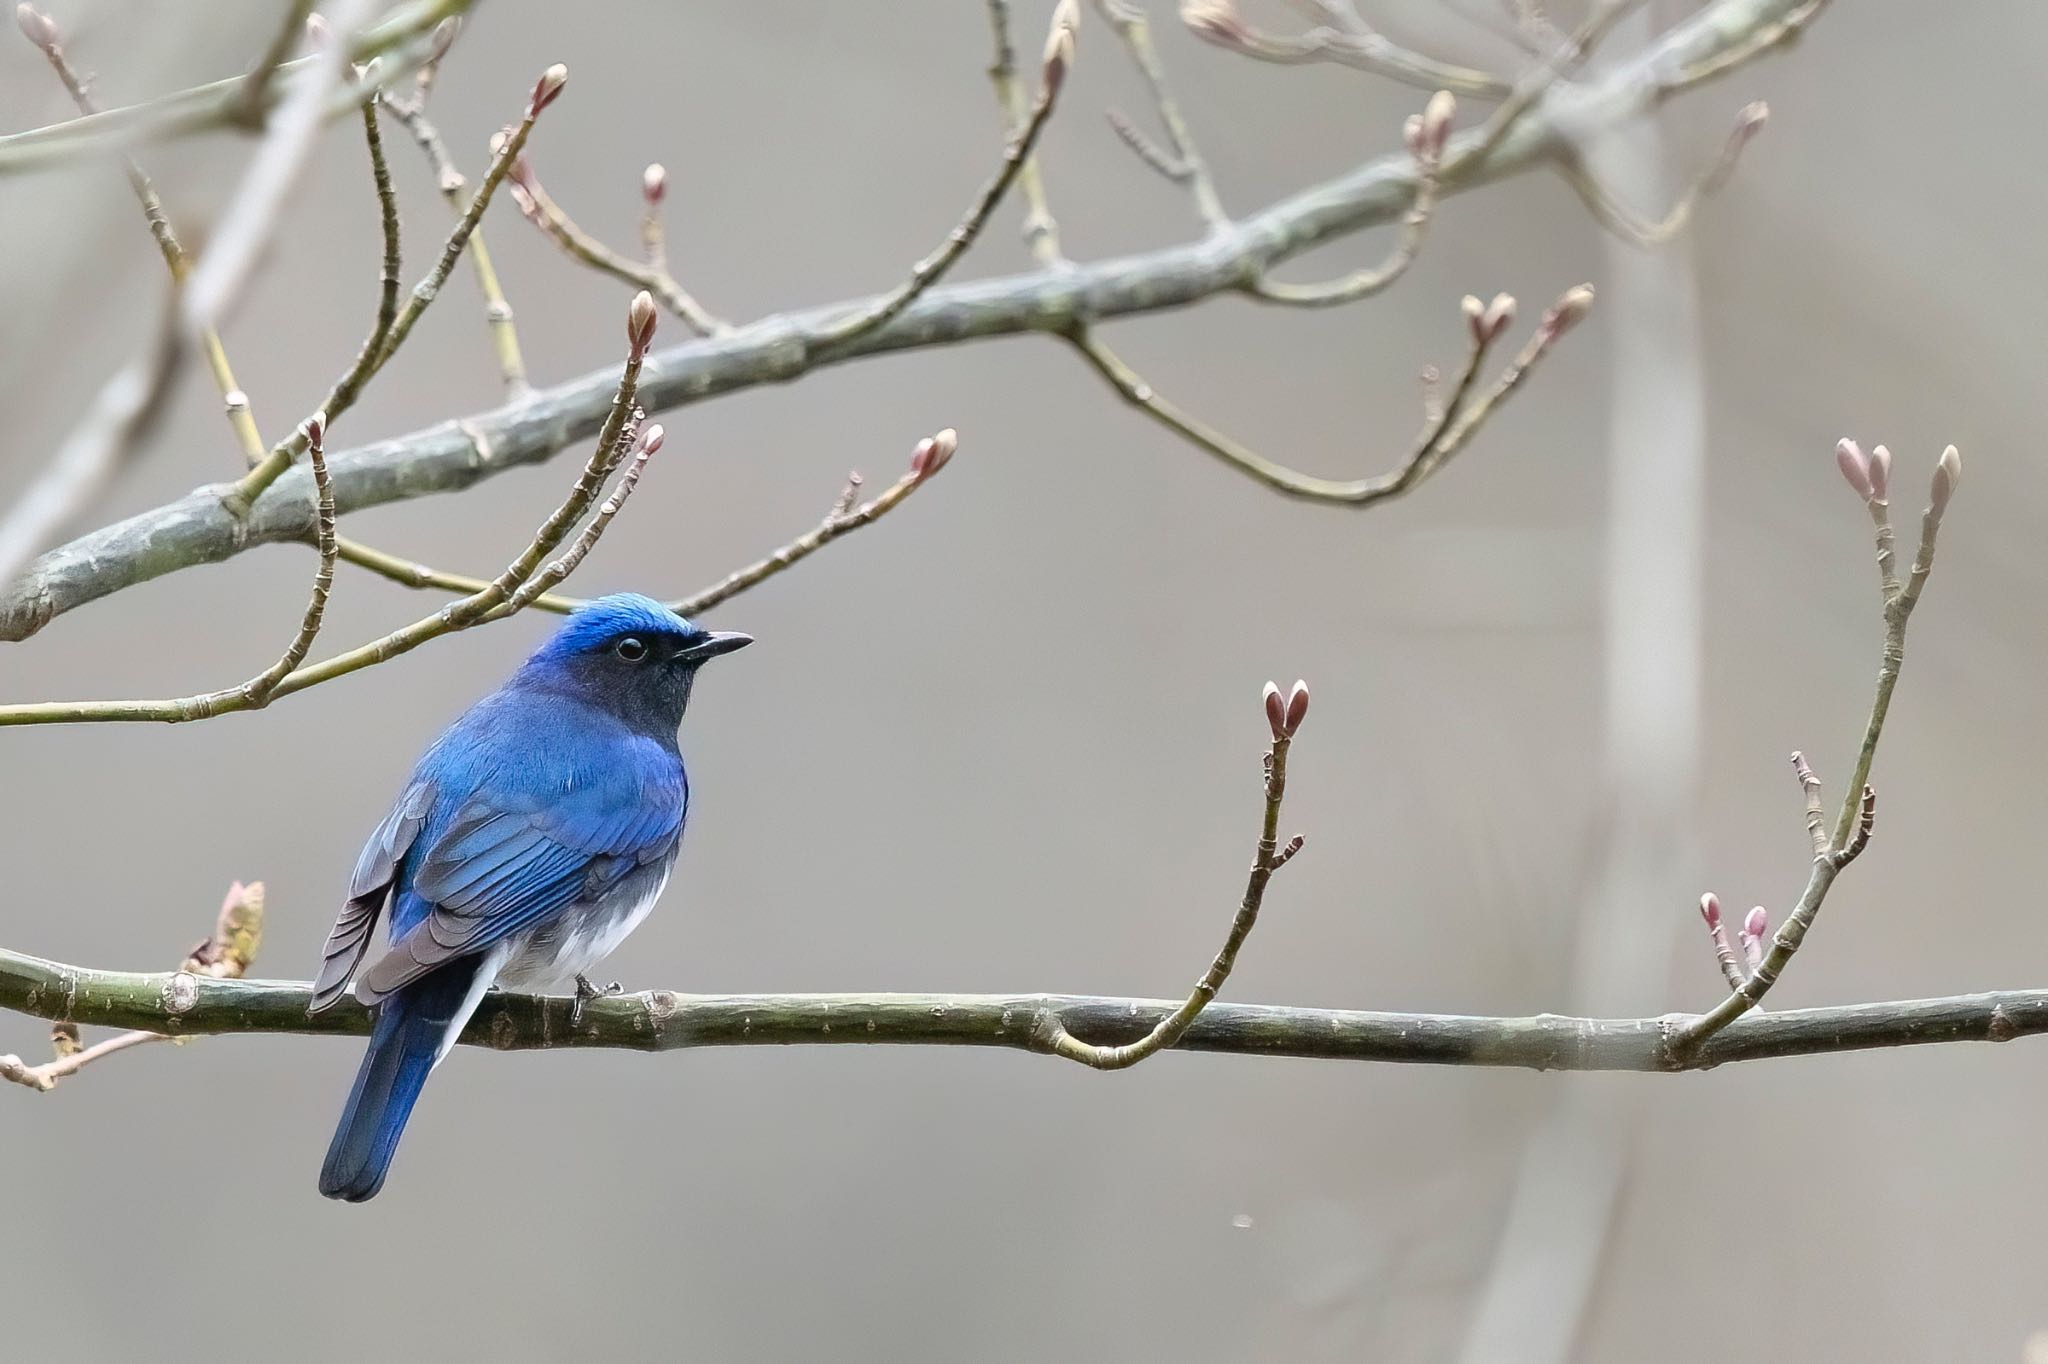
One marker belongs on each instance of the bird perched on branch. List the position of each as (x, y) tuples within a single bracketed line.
[(534, 835)]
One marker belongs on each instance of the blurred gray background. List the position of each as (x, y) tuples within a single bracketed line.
[(1007, 739)]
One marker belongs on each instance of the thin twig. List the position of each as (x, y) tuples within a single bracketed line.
[(412, 113), (391, 49), (1611, 214), (1183, 164), (1440, 439), (223, 955), (256, 85), (1859, 802), (540, 209), (1051, 1031), (930, 455), (384, 343), (1059, 56), (471, 610), (198, 529), (1355, 45)]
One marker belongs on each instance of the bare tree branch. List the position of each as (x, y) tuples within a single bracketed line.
[(198, 529), (393, 48), (181, 1004)]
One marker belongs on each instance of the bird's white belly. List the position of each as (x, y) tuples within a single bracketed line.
[(556, 953)]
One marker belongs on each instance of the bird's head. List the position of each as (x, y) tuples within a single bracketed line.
[(630, 655)]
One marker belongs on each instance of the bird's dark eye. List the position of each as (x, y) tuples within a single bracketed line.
[(632, 648)]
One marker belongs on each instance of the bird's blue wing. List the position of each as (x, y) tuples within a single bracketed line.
[(523, 848), (368, 891)]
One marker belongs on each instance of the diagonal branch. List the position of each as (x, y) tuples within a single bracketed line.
[(198, 530), (929, 456), (1833, 852), (1051, 1032), (496, 599)]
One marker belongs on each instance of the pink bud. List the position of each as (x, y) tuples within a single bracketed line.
[(1880, 472), (1297, 706), (654, 183), (652, 437), (1276, 710), (1855, 467), (1499, 314), (1569, 310), (932, 452), (547, 89), (1751, 120), (1948, 472), (1755, 926), (38, 27), (1475, 316), (316, 430), (1710, 909), (1059, 46), (1411, 137), (444, 37), (640, 318), (1214, 20), (1436, 124)]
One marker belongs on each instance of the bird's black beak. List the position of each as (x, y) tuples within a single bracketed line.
[(712, 645)]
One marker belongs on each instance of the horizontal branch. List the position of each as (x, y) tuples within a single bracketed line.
[(199, 529), (183, 1004)]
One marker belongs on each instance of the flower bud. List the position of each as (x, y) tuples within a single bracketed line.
[(932, 452), (38, 27), (1499, 314), (1276, 710), (1855, 467), (651, 439), (1059, 46), (1297, 706), (654, 183), (1880, 472), (1948, 471), (1569, 310), (547, 89), (640, 318), (1710, 909)]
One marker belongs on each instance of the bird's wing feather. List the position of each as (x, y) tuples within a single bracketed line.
[(516, 854), (368, 891)]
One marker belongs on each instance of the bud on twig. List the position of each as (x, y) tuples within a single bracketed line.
[(1297, 707), (654, 183), (1751, 121), (1276, 709), (640, 319), (547, 89), (38, 27), (1880, 472), (316, 430), (1215, 20), (1855, 467), (444, 37), (1427, 132), (1569, 310), (932, 452), (1755, 927), (1710, 909), (1059, 46), (651, 439), (1948, 471), (1475, 313), (1499, 314)]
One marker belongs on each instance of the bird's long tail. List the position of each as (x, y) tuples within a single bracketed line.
[(407, 1040)]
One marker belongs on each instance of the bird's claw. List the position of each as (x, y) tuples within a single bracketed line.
[(585, 992)]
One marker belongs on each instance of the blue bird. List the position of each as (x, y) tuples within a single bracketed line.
[(534, 835)]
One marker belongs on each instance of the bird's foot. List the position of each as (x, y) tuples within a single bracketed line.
[(585, 992)]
